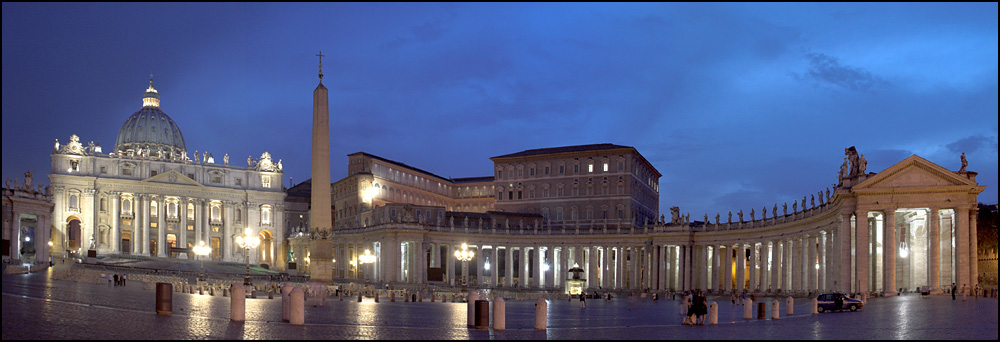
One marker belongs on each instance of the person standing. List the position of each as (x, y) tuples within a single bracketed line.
[(953, 290), (583, 301), (701, 307)]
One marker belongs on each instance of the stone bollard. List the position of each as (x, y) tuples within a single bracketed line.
[(482, 314), (775, 308), (253, 292), (444, 298), (225, 292), (392, 296), (713, 313), (286, 301), (201, 290), (815, 306), (270, 294), (790, 305), (238, 303), (340, 294), (541, 314), (471, 307), (211, 291), (432, 298), (376, 296), (499, 314), (761, 310), (297, 307), (420, 297), (748, 309), (359, 297), (164, 298)]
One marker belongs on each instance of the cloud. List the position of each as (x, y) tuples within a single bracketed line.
[(828, 69), (973, 144)]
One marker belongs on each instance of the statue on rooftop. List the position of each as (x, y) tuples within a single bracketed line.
[(964, 163)]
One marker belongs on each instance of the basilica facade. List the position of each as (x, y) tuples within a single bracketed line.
[(148, 196)]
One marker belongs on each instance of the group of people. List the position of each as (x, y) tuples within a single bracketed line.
[(117, 279), (697, 308)]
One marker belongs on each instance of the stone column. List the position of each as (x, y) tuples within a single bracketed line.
[(775, 266), (480, 278), (794, 269), (716, 268), (754, 272), (227, 234), (811, 262), (142, 230), (727, 268), (973, 247), (450, 263), (740, 260), (664, 276), (844, 256), (821, 282), (861, 253), (206, 229), (526, 264), (947, 227), (161, 228), (182, 230), (889, 253), (604, 266), (830, 264), (934, 258), (116, 239), (962, 249), (495, 264)]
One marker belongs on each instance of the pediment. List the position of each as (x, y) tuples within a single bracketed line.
[(172, 177), (914, 172)]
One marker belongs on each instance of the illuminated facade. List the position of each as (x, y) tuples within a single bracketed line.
[(148, 197), (27, 218)]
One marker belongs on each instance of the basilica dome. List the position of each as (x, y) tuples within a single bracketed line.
[(150, 131)]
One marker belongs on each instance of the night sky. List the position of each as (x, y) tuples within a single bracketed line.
[(739, 106)]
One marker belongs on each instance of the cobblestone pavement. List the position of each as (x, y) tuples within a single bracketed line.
[(36, 307)]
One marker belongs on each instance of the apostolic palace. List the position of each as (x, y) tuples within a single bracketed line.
[(566, 219)]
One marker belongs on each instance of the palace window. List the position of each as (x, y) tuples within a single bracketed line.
[(546, 170), (190, 211), (265, 181), (590, 168), (605, 167), (154, 208), (74, 202)]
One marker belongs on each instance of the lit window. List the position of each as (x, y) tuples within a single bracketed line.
[(265, 215), (605, 167), (265, 181), (590, 167)]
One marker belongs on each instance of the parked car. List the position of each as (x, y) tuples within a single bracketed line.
[(828, 302)]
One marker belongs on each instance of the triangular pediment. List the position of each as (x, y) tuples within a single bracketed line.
[(172, 177), (914, 172)]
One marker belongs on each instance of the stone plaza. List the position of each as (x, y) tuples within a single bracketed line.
[(36, 306)]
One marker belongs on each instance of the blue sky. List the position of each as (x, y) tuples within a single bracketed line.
[(739, 106)]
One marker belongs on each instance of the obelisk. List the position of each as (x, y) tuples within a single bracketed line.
[(320, 218)]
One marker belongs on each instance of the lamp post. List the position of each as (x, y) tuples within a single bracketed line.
[(247, 241), (202, 251), (464, 256), (367, 258)]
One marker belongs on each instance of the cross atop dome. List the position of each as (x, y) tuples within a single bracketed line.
[(321, 55)]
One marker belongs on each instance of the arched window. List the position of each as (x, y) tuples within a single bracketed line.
[(104, 204), (127, 205), (154, 208), (74, 202), (265, 214), (190, 211)]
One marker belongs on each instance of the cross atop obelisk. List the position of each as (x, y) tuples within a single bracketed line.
[(321, 55)]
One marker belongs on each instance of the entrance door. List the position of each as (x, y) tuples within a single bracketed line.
[(74, 234), (216, 248), (126, 246)]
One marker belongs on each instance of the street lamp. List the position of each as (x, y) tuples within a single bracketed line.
[(247, 241), (366, 258), (464, 256), (202, 250)]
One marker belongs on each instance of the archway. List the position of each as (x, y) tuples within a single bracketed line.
[(266, 248), (73, 233)]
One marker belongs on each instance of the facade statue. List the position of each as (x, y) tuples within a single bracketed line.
[(774, 211), (57, 146), (740, 215), (812, 201), (784, 209), (90, 146), (687, 218), (28, 176), (752, 218), (863, 164), (763, 213), (225, 159), (661, 219), (675, 214), (249, 161), (730, 217), (852, 156), (964, 162), (706, 218), (716, 218), (795, 207), (197, 157), (803, 203), (828, 194), (279, 165), (844, 169)]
